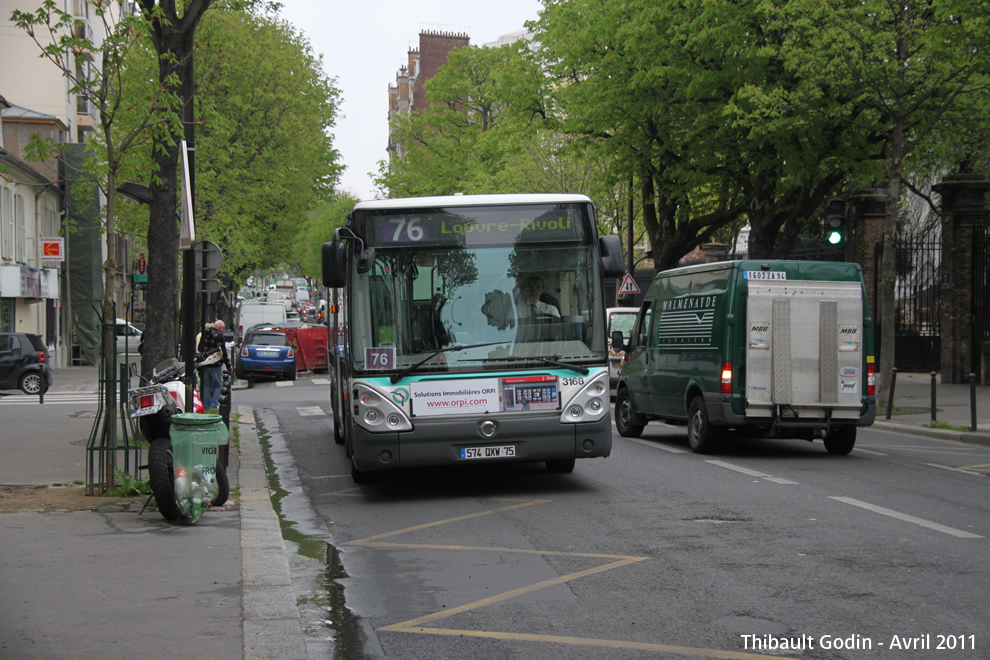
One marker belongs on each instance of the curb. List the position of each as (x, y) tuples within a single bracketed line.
[(271, 623), (969, 437)]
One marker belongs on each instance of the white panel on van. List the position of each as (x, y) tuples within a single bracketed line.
[(804, 348)]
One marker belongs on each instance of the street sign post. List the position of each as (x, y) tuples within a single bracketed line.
[(209, 260)]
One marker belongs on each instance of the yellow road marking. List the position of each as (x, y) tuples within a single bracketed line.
[(507, 595), (930, 450), (601, 643), (489, 548), (368, 539), (416, 625), (984, 467)]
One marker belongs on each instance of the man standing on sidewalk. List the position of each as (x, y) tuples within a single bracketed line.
[(211, 341)]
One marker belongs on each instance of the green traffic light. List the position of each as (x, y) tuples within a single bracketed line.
[(834, 237)]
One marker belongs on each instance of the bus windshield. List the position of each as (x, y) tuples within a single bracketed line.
[(485, 288)]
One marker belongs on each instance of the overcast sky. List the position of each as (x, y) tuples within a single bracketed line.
[(363, 45)]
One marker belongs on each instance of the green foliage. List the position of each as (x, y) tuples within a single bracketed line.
[(264, 154), (486, 105), (128, 485), (491, 129), (318, 229)]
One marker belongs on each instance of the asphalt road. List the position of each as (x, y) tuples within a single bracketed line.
[(652, 552)]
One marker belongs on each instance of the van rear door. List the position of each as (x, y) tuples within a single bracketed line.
[(804, 349)]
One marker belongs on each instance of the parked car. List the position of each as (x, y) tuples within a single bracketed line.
[(267, 354), (24, 363), (128, 337)]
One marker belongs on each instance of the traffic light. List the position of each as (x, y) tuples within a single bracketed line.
[(835, 221)]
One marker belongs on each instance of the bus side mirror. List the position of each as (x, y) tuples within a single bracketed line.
[(618, 343), (365, 260), (334, 261), (611, 250)]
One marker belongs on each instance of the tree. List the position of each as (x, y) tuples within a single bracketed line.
[(490, 128), (172, 37), (267, 157), (318, 229), (264, 109), (480, 101), (914, 66), (697, 105)]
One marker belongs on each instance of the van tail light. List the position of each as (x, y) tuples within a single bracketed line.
[(726, 378), (871, 379)]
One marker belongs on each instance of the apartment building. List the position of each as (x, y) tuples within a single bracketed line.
[(408, 94), (55, 294)]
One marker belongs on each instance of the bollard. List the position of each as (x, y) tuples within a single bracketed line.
[(933, 397), (972, 402), (890, 398)]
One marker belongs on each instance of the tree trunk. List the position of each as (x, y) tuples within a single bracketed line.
[(172, 36), (160, 334)]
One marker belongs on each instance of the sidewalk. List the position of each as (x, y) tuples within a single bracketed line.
[(912, 409), (111, 583)]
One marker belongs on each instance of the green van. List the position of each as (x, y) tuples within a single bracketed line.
[(758, 348)]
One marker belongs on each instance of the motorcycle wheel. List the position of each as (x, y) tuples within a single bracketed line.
[(223, 487), (161, 480)]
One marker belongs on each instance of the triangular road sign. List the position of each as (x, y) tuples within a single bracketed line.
[(628, 285)]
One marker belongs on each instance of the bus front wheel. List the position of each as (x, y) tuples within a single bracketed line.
[(362, 476), (339, 435)]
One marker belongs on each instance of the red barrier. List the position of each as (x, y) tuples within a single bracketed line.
[(312, 348), (309, 342)]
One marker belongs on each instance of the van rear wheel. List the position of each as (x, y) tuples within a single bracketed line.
[(626, 420), (702, 436), (840, 440)]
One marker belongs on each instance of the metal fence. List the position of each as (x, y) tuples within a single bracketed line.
[(918, 298)]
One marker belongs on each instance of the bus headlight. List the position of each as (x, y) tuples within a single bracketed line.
[(376, 413), (588, 405)]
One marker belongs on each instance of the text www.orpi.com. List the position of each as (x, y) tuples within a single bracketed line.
[(456, 404)]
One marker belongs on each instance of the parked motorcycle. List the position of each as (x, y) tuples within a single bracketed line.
[(153, 405)]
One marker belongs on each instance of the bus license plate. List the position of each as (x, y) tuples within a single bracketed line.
[(504, 451)]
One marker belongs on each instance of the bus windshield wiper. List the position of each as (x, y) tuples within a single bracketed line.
[(552, 360), (395, 378)]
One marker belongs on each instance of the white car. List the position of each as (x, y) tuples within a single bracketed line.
[(622, 319), (128, 337)]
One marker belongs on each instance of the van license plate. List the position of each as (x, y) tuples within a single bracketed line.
[(504, 451)]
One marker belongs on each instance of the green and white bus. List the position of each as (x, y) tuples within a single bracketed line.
[(443, 350)]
